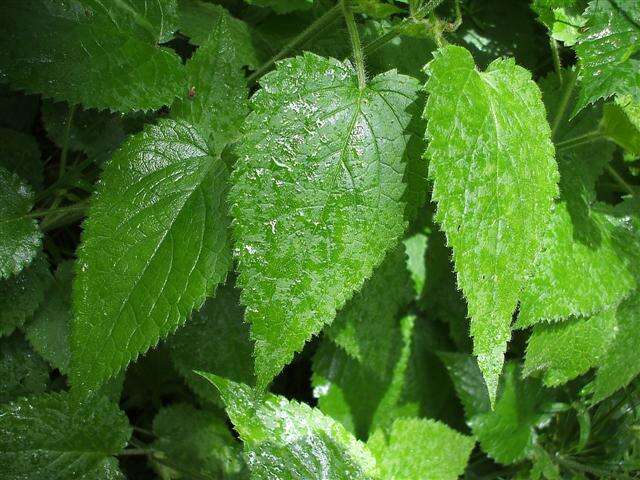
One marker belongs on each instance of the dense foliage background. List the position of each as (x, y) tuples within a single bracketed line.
[(298, 239)]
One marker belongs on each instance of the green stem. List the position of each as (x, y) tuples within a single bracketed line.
[(65, 145), (621, 181), (356, 46), (582, 468), (63, 181), (564, 102), (555, 53), (60, 217), (313, 29), (579, 140), (131, 452)]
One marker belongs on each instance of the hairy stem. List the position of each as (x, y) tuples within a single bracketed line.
[(621, 181), (555, 53), (579, 140), (313, 29), (564, 102), (356, 46)]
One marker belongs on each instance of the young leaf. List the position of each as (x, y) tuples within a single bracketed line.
[(49, 330), (315, 197), (215, 339), (420, 449), (621, 363), (492, 164), (197, 441), (154, 246), (507, 434), (563, 18), (83, 53), (363, 328), (59, 437), (216, 91), (22, 371), (568, 349), (20, 237), (288, 440), (21, 294), (20, 154), (606, 52), (197, 19)]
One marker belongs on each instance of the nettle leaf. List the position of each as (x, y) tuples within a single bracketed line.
[(59, 437), (288, 440), (621, 124), (606, 52), (21, 294), (22, 371), (83, 52), (467, 381), (563, 18), (508, 433), (584, 255), (493, 170), (363, 327), (49, 330), (20, 237), (283, 6), (316, 196), (197, 441), (154, 246), (214, 339), (621, 363), (20, 154), (216, 91), (197, 20), (568, 349), (98, 134), (420, 449)]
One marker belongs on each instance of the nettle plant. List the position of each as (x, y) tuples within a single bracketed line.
[(287, 239)]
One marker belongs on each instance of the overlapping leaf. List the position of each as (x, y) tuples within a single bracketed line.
[(20, 154), (291, 441), (154, 246), (101, 55), (492, 164), (316, 196), (22, 371)]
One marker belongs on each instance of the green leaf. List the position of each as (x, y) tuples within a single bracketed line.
[(20, 154), (316, 196), (570, 348), (20, 238), (621, 363), (283, 6), (197, 441), (22, 371), (216, 91), (584, 251), (17, 111), (420, 449), (153, 247), (288, 440), (49, 330), (58, 437), (22, 294), (214, 339), (79, 52), (197, 21), (563, 18), (363, 327), (416, 247), (606, 52), (467, 380), (493, 170), (507, 434), (621, 124), (98, 134)]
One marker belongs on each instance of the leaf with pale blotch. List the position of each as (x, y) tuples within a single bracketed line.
[(59, 437), (621, 363), (22, 294), (288, 440), (565, 350), (420, 449), (316, 196), (606, 52), (493, 171), (214, 98), (20, 237), (154, 246), (88, 53)]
